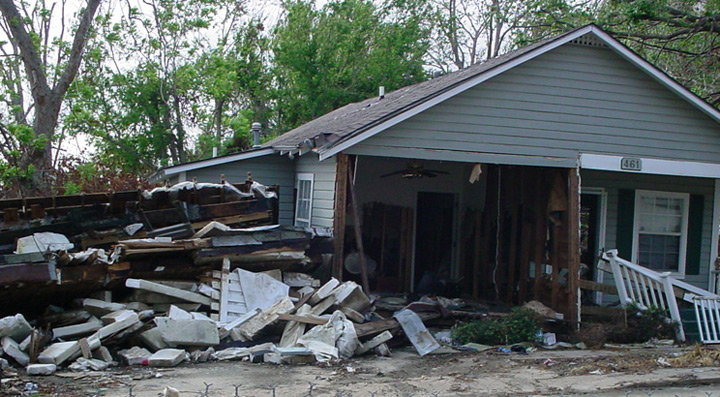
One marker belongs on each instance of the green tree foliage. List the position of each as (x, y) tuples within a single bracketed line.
[(326, 58)]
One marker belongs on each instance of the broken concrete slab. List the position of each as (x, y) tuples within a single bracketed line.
[(153, 340), (134, 355), (71, 331), (201, 356), (88, 364), (41, 369), (137, 306), (269, 316), (232, 353), (57, 353), (373, 343), (167, 358), (353, 315), (325, 291), (188, 332), (100, 308), (351, 295), (127, 321), (102, 353), (12, 349), (118, 316), (177, 313), (169, 291), (15, 327)]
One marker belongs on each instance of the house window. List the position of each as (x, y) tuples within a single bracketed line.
[(660, 240), (303, 203)]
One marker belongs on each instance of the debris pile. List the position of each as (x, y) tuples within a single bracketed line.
[(273, 316)]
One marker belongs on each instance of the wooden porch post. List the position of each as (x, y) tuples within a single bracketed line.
[(341, 181), (573, 242)]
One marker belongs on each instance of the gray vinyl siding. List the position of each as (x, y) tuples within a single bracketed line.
[(323, 204), (613, 181), (573, 99), (268, 170)]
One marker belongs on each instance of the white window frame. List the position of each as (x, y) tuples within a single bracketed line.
[(683, 232), (304, 177)]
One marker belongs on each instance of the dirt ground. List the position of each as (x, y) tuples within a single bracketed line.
[(624, 372)]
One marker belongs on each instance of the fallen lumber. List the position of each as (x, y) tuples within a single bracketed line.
[(375, 327)]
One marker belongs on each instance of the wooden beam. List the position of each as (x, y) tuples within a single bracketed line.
[(600, 287), (339, 215), (358, 232), (573, 229)]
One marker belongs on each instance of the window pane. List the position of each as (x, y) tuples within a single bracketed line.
[(659, 252)]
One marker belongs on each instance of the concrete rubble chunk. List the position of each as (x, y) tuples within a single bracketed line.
[(169, 291), (167, 358), (276, 358), (153, 340), (88, 364), (137, 306), (118, 316), (41, 369), (58, 353), (269, 316), (232, 353), (373, 343), (351, 295), (24, 344), (201, 356), (11, 348), (177, 313), (188, 332), (102, 353), (100, 308), (4, 364), (134, 355), (70, 331), (126, 321), (325, 291), (15, 327), (383, 350)]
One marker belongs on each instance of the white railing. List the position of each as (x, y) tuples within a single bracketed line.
[(707, 313), (644, 287)]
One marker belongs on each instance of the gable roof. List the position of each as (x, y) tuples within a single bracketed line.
[(342, 128), (356, 122)]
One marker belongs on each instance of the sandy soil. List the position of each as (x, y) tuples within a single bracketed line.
[(574, 372)]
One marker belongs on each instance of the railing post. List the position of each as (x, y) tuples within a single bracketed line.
[(672, 305), (619, 282)]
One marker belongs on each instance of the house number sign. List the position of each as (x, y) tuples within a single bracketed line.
[(631, 164)]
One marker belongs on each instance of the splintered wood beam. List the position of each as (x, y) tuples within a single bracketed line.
[(573, 229), (339, 216)]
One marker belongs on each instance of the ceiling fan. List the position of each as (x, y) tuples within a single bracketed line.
[(416, 170)]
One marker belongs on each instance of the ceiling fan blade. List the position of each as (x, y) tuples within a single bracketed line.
[(393, 173)]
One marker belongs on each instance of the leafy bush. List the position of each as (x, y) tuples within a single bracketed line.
[(519, 326)]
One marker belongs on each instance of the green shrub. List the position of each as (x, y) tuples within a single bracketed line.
[(519, 326), (643, 325)]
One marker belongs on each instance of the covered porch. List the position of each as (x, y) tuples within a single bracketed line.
[(499, 233)]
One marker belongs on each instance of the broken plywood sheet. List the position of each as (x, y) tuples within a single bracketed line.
[(415, 330), (269, 316)]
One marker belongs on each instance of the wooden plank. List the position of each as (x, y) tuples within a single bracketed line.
[(169, 291), (375, 327), (303, 319), (340, 214), (573, 228), (600, 287), (358, 233)]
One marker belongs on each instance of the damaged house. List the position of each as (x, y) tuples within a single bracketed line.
[(505, 180)]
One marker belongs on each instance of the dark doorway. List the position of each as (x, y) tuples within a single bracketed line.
[(589, 233), (433, 240)]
